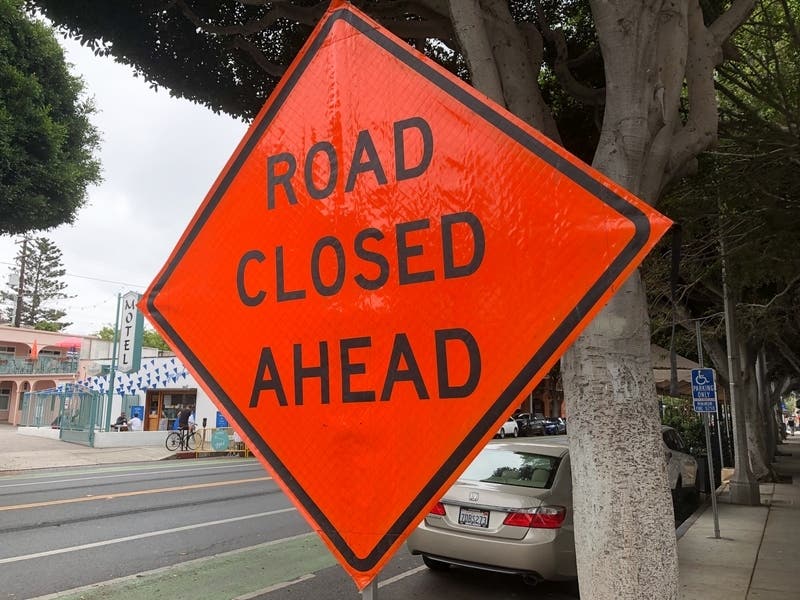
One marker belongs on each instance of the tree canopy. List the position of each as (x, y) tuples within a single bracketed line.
[(228, 55), (46, 139)]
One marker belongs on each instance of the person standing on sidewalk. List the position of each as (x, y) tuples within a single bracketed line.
[(183, 424), (791, 424), (135, 423)]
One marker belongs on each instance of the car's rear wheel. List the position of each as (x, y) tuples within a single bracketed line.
[(502, 434), (434, 565), (516, 433)]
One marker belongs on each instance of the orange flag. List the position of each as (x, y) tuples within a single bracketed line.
[(34, 350)]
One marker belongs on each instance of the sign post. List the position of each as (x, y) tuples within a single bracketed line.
[(388, 246), (704, 398)]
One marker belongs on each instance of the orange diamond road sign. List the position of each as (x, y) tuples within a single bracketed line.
[(386, 264)]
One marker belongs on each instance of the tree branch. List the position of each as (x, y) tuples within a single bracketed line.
[(561, 64), (787, 354), (279, 9), (470, 30), (664, 113), (415, 19), (258, 57), (517, 71), (705, 53), (730, 20), (700, 130), (783, 292)]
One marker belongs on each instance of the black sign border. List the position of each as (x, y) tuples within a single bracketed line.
[(480, 108)]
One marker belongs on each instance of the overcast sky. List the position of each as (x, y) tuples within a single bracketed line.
[(159, 158)]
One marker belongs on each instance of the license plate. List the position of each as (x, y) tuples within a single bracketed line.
[(473, 517)]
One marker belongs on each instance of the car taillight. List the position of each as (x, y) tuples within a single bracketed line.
[(544, 517), (438, 509)]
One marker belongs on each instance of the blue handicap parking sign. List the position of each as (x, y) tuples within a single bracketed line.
[(704, 390)]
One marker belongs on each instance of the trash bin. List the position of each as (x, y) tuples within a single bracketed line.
[(703, 480)]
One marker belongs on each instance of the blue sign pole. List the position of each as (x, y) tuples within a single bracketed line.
[(704, 397), (719, 418)]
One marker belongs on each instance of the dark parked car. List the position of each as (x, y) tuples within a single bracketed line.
[(529, 425), (555, 426)]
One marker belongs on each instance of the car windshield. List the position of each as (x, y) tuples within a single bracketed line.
[(513, 468)]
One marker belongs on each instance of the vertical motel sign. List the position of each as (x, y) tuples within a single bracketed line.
[(387, 250), (131, 327)]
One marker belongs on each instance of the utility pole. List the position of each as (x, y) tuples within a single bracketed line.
[(21, 283)]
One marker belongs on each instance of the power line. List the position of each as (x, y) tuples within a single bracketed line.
[(135, 285)]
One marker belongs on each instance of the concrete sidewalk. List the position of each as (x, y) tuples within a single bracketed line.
[(753, 559), (755, 555), (23, 452)]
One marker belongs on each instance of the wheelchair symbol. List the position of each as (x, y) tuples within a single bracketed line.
[(701, 379)]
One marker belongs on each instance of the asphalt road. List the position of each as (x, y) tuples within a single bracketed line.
[(218, 529)]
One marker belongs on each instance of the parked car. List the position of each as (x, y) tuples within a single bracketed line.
[(508, 428), (529, 424), (510, 512), (681, 466), (555, 426)]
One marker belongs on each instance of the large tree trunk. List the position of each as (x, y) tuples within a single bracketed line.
[(623, 511), (624, 524), (755, 421), (743, 485), (754, 426), (766, 404)]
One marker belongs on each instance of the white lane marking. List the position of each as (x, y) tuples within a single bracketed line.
[(397, 578), (154, 471), (161, 570), (118, 495), (272, 588), (140, 536)]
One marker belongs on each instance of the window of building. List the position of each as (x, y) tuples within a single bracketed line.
[(163, 407)]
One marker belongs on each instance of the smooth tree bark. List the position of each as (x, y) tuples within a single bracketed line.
[(753, 440), (767, 405), (755, 415), (624, 523), (650, 49)]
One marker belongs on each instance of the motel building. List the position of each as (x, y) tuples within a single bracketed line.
[(41, 373)]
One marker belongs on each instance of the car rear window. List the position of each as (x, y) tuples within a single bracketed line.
[(522, 469)]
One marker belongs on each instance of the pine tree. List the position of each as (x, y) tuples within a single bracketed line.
[(37, 286)]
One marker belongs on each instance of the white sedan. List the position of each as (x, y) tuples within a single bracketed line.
[(681, 466), (510, 427)]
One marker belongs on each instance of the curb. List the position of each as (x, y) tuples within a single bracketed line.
[(704, 505)]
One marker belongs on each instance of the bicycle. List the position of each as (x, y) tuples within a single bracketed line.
[(185, 439)]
